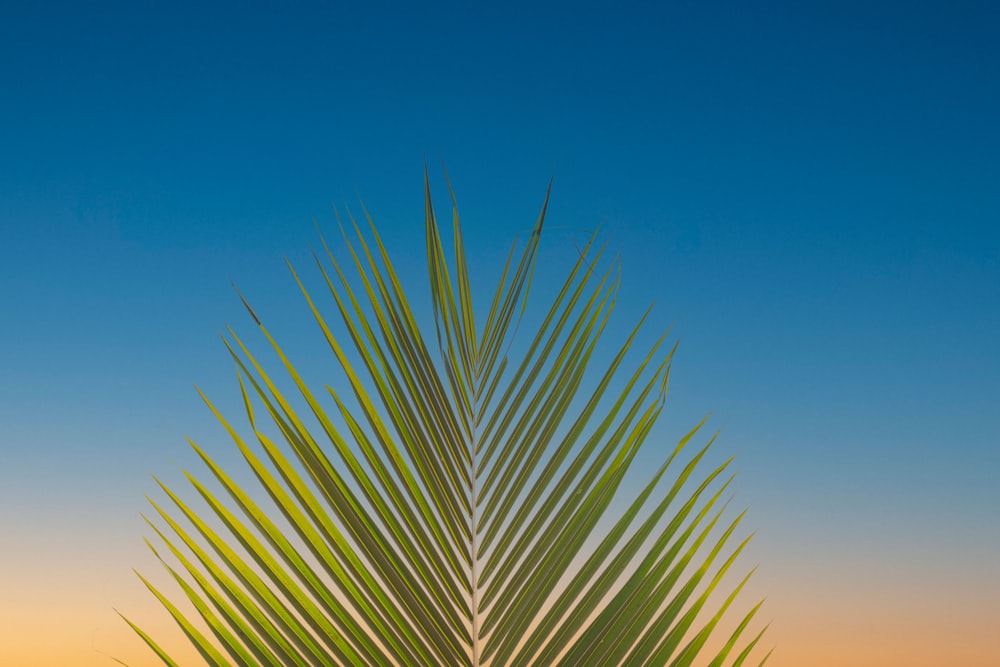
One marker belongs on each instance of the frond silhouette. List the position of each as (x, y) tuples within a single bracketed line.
[(447, 504)]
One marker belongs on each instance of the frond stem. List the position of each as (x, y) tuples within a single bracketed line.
[(474, 532)]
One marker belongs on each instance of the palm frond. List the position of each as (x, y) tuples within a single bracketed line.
[(448, 503)]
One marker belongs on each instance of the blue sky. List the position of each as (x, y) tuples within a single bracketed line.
[(807, 190)]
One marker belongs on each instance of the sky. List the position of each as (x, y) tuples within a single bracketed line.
[(807, 191)]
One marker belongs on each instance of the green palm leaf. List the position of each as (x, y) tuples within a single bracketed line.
[(438, 505)]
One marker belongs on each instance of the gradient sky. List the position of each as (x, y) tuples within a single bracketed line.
[(808, 191)]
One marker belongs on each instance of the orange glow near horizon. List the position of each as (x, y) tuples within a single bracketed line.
[(60, 615)]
